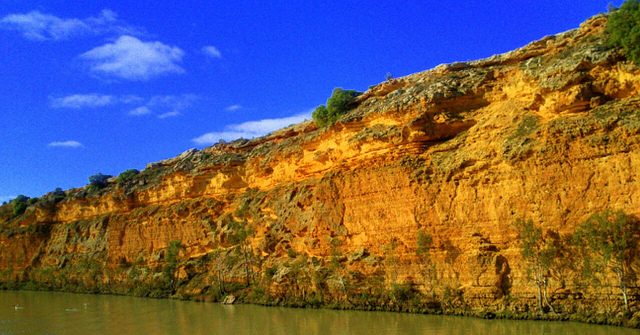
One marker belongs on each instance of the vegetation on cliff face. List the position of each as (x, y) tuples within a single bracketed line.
[(540, 255), (19, 205), (609, 244), (340, 102), (624, 29), (127, 176), (409, 205)]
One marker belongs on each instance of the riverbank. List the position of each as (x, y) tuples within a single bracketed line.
[(415, 304), (71, 314)]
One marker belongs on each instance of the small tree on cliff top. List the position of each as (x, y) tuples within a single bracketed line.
[(20, 204), (340, 102), (127, 176), (99, 180), (609, 241), (623, 29)]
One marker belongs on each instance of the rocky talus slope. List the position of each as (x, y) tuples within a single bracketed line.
[(449, 159)]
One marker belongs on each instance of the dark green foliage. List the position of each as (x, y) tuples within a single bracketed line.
[(171, 262), (340, 102), (423, 250), (402, 292), (424, 243), (20, 204), (609, 241), (321, 116), (99, 180), (50, 200), (127, 176), (623, 29), (57, 195), (241, 232), (530, 239)]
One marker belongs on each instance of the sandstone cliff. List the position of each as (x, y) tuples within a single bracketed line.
[(548, 132)]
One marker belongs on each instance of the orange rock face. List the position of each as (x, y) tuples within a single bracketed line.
[(548, 132)]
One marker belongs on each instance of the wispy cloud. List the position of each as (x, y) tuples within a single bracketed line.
[(174, 102), (250, 129), (132, 59), (65, 144), (78, 101), (211, 51), (130, 99), (165, 106), (143, 110), (40, 26), (233, 108), (169, 114)]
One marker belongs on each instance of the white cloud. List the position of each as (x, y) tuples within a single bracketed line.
[(172, 105), (65, 144), (233, 108), (143, 110), (165, 105), (132, 59), (130, 99), (212, 51), (173, 102), (77, 101), (41, 26), (250, 129), (169, 114)]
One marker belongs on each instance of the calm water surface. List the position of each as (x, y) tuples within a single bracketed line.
[(63, 313)]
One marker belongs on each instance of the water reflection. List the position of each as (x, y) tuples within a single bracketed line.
[(60, 313)]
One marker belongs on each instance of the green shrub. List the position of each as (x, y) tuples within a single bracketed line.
[(424, 243), (49, 200), (171, 262), (127, 176), (402, 292), (57, 195), (609, 241), (99, 180), (20, 204), (340, 102), (321, 116), (623, 29)]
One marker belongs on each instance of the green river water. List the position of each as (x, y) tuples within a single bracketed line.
[(64, 313)]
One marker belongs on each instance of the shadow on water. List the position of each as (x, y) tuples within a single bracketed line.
[(63, 313)]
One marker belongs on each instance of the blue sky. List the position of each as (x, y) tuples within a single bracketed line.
[(90, 87)]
